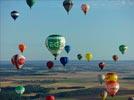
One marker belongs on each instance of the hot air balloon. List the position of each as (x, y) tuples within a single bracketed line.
[(15, 14), (85, 8), (68, 4), (64, 60), (111, 76), (115, 57), (102, 65), (67, 48), (18, 61), (101, 78), (55, 44), (50, 97), (103, 95), (20, 90), (79, 56), (50, 64), (88, 56), (123, 48), (131, 98), (112, 87), (22, 47), (30, 3)]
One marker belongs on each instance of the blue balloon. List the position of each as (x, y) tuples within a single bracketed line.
[(67, 48), (64, 60)]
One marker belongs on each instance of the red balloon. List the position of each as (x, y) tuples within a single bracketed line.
[(50, 97), (85, 8), (102, 65), (50, 64), (18, 61), (115, 57), (112, 87)]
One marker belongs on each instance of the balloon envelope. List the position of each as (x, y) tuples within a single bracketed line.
[(64, 60), (68, 4), (111, 76), (101, 78), (50, 97), (103, 94), (115, 57), (15, 14), (102, 65), (88, 56), (79, 56), (123, 48), (50, 64), (18, 61), (55, 44), (112, 87), (20, 89), (67, 48), (22, 47), (131, 98), (85, 8), (30, 3)]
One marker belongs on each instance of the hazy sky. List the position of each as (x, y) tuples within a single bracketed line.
[(108, 24)]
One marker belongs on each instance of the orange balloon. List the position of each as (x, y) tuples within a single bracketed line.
[(22, 47), (112, 87), (85, 8)]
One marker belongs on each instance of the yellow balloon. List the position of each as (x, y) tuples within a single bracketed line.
[(111, 77), (104, 95), (88, 56)]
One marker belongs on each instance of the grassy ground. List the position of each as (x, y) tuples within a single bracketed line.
[(48, 84)]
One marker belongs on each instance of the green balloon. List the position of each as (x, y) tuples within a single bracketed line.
[(123, 48), (20, 89), (30, 3), (55, 44), (79, 56)]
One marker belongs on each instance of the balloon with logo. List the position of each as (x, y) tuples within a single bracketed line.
[(15, 14), (102, 65), (111, 76), (18, 61), (64, 60), (50, 64), (88, 56), (50, 97), (123, 48), (20, 90), (79, 56), (30, 3), (101, 78), (112, 87), (67, 48), (22, 47), (85, 8), (103, 95), (55, 44), (68, 4), (115, 58)]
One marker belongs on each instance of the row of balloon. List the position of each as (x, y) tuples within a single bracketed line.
[(111, 78), (56, 44), (68, 4)]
